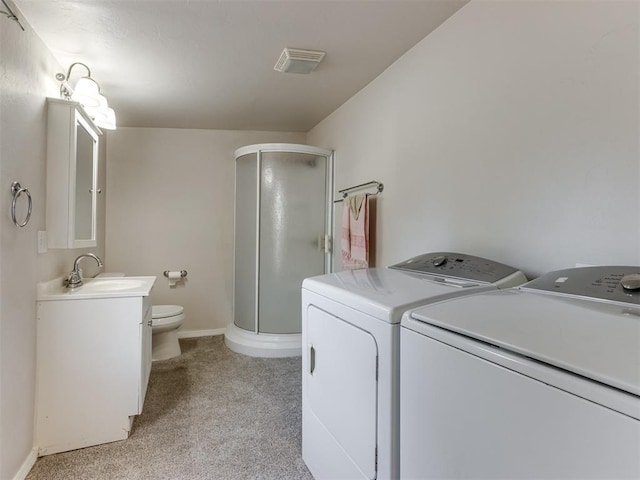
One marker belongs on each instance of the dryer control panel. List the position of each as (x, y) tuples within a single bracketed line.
[(615, 283), (457, 265)]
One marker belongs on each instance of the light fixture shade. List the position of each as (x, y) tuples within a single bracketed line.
[(103, 103), (105, 118), (93, 111), (87, 93)]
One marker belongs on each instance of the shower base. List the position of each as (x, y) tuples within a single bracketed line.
[(265, 345)]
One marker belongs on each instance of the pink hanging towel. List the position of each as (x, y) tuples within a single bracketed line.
[(355, 232)]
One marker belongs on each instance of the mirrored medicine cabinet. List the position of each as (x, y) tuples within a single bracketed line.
[(72, 175)]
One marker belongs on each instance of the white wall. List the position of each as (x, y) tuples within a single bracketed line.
[(510, 132), (26, 79), (170, 207)]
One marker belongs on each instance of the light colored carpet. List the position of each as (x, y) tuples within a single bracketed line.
[(209, 414)]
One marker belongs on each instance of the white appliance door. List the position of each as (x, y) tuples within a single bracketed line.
[(341, 385), (465, 417)]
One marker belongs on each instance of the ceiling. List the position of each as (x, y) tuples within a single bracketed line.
[(209, 63)]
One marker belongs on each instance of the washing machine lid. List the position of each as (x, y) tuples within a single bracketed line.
[(386, 294), (594, 338), (164, 311)]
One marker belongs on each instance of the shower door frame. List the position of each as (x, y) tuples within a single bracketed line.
[(259, 149)]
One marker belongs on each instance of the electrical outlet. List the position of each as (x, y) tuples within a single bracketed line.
[(42, 241)]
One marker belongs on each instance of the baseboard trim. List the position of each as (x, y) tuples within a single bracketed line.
[(27, 465), (200, 333)]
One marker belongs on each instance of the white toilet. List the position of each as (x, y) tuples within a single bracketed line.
[(165, 321)]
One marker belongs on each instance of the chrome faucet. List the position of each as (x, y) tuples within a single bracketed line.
[(75, 278)]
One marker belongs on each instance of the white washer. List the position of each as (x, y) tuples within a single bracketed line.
[(537, 382), (350, 337)]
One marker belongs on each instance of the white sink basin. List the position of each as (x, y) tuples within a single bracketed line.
[(104, 287), (108, 285)]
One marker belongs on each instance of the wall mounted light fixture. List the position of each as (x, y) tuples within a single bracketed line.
[(87, 93)]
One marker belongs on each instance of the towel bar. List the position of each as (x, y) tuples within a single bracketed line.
[(345, 191)]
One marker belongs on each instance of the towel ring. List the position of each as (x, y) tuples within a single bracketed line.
[(16, 190)]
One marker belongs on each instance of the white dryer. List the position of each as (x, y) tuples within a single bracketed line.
[(350, 371), (542, 381)]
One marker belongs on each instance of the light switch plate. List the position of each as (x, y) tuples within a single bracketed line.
[(42, 241)]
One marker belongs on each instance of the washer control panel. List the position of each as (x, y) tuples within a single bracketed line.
[(457, 265), (616, 283)]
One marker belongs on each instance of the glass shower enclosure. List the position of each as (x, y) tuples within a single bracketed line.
[(283, 221)]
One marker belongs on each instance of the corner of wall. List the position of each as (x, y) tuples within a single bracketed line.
[(27, 465)]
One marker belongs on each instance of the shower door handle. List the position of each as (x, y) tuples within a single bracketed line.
[(312, 359), (324, 243)]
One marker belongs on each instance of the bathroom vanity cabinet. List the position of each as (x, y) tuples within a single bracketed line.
[(93, 365), (72, 175)]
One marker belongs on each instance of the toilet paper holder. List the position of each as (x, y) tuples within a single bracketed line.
[(183, 273)]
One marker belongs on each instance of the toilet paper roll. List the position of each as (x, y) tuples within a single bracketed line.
[(174, 277)]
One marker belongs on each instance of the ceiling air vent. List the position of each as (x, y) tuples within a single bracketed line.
[(294, 60)]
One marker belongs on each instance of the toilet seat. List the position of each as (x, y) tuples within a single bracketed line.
[(164, 311), (163, 324), (166, 317)]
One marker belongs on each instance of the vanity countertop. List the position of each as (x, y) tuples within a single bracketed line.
[(103, 287)]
